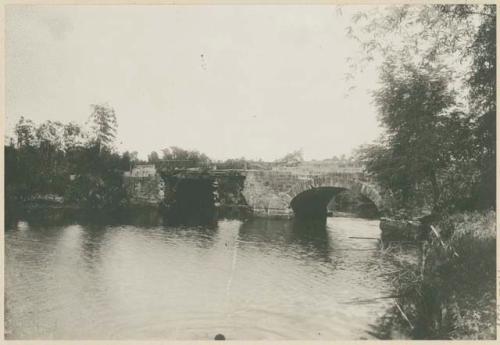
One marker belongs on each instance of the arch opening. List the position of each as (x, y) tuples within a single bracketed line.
[(315, 203), (190, 201), (352, 203)]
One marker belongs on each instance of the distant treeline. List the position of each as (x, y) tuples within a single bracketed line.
[(178, 158)]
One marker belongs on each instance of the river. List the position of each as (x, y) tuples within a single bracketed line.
[(258, 279)]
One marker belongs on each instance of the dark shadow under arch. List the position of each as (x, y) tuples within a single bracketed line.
[(312, 203), (350, 202)]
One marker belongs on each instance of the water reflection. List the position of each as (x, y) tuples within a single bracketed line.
[(313, 236), (307, 237), (144, 217), (249, 280)]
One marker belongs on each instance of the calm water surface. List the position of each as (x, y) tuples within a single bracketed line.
[(258, 279)]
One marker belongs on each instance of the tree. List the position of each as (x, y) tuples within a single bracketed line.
[(440, 34), (25, 132), (176, 157), (134, 157), (46, 156), (423, 143), (73, 136), (482, 82), (50, 152), (457, 42), (103, 124), (292, 158), (50, 135), (234, 163), (153, 157)]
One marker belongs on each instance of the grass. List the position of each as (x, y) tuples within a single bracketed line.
[(450, 292)]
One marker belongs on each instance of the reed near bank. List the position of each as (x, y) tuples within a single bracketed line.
[(449, 293)]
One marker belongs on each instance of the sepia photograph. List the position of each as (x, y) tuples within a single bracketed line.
[(249, 172)]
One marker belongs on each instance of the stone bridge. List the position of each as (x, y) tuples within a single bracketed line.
[(266, 193), (284, 193)]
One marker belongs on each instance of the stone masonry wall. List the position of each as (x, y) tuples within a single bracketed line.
[(147, 190), (269, 193), (266, 193)]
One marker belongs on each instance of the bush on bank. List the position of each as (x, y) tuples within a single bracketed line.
[(451, 293), (470, 274)]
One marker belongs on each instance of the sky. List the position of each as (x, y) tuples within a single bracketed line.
[(228, 81)]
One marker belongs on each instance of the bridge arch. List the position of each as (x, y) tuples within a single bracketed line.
[(309, 198), (271, 193)]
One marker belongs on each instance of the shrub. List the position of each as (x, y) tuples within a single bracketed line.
[(452, 295)]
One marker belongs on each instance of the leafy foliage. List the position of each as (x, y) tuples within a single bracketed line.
[(437, 104), (103, 124), (178, 158), (292, 158), (437, 34), (62, 159), (25, 132), (451, 294), (436, 151)]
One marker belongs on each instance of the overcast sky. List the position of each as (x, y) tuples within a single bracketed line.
[(229, 81)]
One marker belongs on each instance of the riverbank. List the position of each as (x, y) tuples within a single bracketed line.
[(449, 292)]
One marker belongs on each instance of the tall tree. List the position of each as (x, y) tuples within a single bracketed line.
[(153, 157), (439, 34), (73, 136), (411, 102), (25, 131), (50, 135), (482, 82), (458, 42), (103, 124), (50, 138)]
